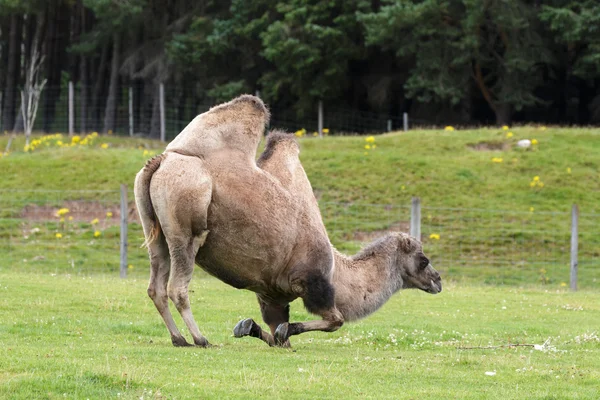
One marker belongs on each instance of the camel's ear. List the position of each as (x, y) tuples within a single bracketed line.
[(406, 243)]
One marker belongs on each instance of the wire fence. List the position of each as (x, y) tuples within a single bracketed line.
[(137, 114), (78, 232)]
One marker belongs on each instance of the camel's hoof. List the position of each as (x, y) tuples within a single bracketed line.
[(179, 341), (202, 342), (243, 328), (282, 334)]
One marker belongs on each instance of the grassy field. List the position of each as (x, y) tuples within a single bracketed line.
[(75, 337)]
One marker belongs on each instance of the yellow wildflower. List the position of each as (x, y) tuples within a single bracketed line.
[(110, 132), (536, 178), (449, 128), (509, 134), (374, 146), (568, 170), (402, 187), (534, 141), (434, 236), (94, 221), (497, 159), (532, 184), (563, 284), (531, 209), (505, 128), (325, 131), (62, 212), (97, 233), (62, 219), (542, 128), (76, 139), (370, 139), (315, 134), (70, 218), (59, 143), (146, 152), (109, 214), (366, 153), (104, 145), (367, 147), (58, 235), (130, 266)]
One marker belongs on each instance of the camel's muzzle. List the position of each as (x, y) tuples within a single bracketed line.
[(435, 282)]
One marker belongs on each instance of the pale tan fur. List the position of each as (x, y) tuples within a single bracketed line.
[(362, 283), (207, 202)]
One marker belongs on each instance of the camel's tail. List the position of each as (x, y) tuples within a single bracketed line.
[(143, 200)]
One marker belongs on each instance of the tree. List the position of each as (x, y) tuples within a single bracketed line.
[(493, 44)]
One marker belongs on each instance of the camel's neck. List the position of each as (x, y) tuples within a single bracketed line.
[(364, 282)]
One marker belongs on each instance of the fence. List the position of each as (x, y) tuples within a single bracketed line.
[(62, 110), (80, 232)]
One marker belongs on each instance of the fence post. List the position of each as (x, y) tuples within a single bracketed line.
[(71, 109), (161, 88), (123, 266), (574, 245), (389, 125), (415, 218), (321, 119), (405, 121), (130, 111), (257, 93)]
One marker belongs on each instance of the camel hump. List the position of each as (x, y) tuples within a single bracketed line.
[(242, 105), (274, 139)]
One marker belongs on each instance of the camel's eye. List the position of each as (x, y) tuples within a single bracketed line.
[(424, 262)]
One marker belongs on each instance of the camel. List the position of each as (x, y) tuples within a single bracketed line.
[(362, 283), (205, 201)]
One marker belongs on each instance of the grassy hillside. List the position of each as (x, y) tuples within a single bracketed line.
[(444, 168), (463, 178)]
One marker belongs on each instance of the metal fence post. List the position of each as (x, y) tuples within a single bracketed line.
[(161, 102), (574, 245), (321, 118), (123, 267), (415, 218), (405, 121), (389, 125), (71, 109), (130, 111)]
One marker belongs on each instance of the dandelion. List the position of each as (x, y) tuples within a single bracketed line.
[(325, 131), (536, 178), (563, 284), (542, 128), (367, 147), (62, 219), (532, 184), (70, 218), (505, 127), (534, 141), (59, 143), (568, 170), (104, 145), (146, 152), (366, 153), (374, 146), (434, 236), (97, 233), (509, 135), (109, 214), (75, 139), (370, 139), (94, 221), (58, 235), (402, 187), (449, 128), (497, 159), (301, 132), (531, 209), (315, 134), (62, 211), (130, 266)]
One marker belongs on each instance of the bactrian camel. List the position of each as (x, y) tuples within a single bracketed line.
[(205, 200)]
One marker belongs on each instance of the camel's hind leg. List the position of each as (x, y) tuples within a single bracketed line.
[(182, 254), (318, 296), (157, 288), (273, 315)]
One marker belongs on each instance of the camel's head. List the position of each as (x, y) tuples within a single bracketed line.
[(415, 268)]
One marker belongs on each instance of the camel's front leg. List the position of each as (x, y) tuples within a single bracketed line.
[(182, 266), (318, 296), (273, 314)]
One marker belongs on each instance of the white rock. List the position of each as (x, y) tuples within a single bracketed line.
[(524, 143)]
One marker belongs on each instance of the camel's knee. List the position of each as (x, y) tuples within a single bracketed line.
[(335, 319), (179, 297)]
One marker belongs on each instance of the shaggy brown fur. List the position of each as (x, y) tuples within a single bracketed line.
[(361, 283)]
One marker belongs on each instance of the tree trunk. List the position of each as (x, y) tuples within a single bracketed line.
[(99, 85), (111, 100), (11, 97), (503, 114), (83, 76)]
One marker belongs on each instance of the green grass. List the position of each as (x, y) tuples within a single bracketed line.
[(493, 226), (75, 337)]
